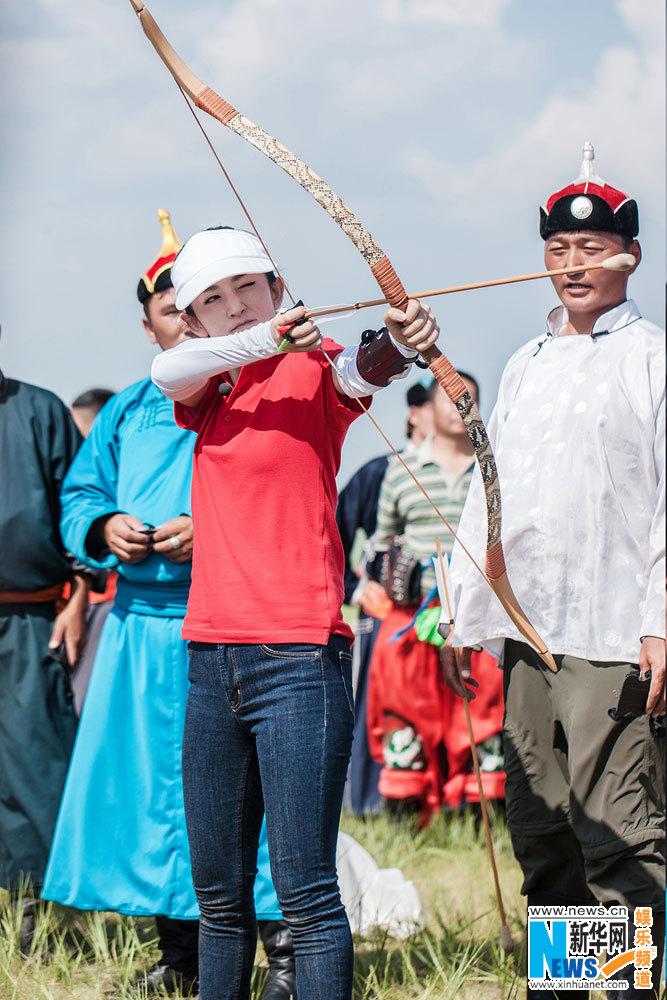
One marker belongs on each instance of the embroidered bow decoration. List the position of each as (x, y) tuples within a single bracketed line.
[(393, 291)]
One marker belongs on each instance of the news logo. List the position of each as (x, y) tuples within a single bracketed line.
[(570, 947)]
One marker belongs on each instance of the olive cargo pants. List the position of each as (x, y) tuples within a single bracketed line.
[(585, 795)]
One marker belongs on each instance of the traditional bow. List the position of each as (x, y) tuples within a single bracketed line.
[(392, 289)]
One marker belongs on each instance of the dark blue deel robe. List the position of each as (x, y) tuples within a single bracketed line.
[(38, 441)]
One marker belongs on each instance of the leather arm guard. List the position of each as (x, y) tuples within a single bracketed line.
[(380, 360), (376, 362)]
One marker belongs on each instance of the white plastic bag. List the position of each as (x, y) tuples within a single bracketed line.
[(376, 897)]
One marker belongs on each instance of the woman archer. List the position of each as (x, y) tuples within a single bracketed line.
[(270, 712)]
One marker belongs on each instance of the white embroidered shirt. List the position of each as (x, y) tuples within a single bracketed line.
[(579, 437)]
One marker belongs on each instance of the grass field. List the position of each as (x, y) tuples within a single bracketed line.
[(458, 954)]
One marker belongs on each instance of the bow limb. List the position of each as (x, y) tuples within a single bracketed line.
[(207, 99), (496, 571)]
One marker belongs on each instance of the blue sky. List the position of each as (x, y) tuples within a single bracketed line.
[(442, 123)]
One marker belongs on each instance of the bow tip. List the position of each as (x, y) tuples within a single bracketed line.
[(549, 660), (506, 939), (137, 5)]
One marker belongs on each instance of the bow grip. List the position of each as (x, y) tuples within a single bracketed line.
[(393, 290), (390, 283)]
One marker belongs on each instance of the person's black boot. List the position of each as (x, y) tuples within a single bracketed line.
[(27, 906), (26, 909), (279, 947), (658, 937), (178, 966)]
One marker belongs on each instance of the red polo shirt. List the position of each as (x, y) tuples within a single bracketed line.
[(268, 562)]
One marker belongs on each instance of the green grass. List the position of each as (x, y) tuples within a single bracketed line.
[(458, 954)]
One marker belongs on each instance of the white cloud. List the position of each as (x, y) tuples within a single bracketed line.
[(621, 110), (646, 20), (74, 47), (453, 13), (361, 59)]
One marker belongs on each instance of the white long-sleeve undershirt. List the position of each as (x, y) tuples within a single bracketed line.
[(185, 369)]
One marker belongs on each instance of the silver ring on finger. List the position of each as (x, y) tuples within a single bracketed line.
[(175, 542)]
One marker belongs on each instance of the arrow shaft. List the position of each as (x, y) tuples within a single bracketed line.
[(473, 286)]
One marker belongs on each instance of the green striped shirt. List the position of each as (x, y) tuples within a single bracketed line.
[(404, 510)]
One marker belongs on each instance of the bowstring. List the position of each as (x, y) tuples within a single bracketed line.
[(338, 375), (236, 193), (409, 471)]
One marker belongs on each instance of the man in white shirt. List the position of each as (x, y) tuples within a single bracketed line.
[(578, 433)]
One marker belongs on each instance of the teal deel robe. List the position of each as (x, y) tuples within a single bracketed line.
[(120, 841)]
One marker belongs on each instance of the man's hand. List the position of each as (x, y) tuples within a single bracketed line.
[(451, 674), (652, 657), (70, 625), (306, 336), (173, 539), (416, 328), (374, 601), (123, 534)]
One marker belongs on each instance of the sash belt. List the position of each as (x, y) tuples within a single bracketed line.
[(35, 597)]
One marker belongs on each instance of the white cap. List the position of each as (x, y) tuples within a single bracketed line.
[(212, 255)]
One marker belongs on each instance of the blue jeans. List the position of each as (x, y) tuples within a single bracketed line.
[(268, 727)]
